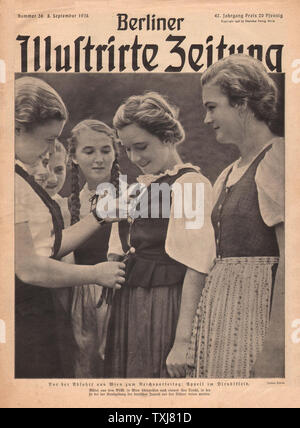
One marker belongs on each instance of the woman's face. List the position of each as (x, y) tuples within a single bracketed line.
[(40, 170), (34, 143), (224, 118), (95, 156), (145, 150), (57, 173)]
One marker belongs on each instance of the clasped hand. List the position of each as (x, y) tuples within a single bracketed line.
[(110, 274)]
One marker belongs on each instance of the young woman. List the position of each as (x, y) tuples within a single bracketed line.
[(50, 173), (40, 170), (62, 297), (57, 166), (145, 313), (40, 115), (232, 335), (41, 221), (92, 148)]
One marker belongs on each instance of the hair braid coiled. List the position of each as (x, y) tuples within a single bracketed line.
[(153, 113)]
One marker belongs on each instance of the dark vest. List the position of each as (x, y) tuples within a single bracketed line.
[(151, 266), (239, 227), (95, 249)]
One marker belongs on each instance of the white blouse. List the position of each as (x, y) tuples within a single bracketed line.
[(195, 248), (30, 209), (85, 201), (269, 180), (63, 204)]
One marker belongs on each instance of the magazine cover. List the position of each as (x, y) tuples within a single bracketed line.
[(149, 205)]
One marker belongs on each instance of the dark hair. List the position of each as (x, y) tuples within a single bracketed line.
[(153, 113), (97, 126), (36, 103), (243, 79)]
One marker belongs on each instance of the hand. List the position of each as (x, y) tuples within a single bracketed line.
[(103, 322), (112, 257), (176, 361), (102, 350), (110, 274)]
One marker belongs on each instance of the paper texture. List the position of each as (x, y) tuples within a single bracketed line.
[(168, 56)]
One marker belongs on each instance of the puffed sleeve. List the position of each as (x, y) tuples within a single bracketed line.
[(21, 198), (270, 185), (191, 241)]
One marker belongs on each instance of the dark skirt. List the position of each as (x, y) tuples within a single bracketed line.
[(142, 332), (36, 350)]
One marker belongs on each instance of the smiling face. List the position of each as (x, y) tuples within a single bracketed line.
[(224, 118), (31, 144), (95, 156), (146, 150), (57, 173), (40, 170)]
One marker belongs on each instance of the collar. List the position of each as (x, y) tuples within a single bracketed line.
[(150, 178), (86, 195)]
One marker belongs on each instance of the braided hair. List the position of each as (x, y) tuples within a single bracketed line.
[(152, 112), (74, 200), (115, 174), (95, 125)]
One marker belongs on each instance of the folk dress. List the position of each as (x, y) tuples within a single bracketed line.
[(145, 311), (233, 315)]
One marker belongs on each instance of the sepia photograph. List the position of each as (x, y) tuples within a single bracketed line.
[(149, 206), (186, 301)]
